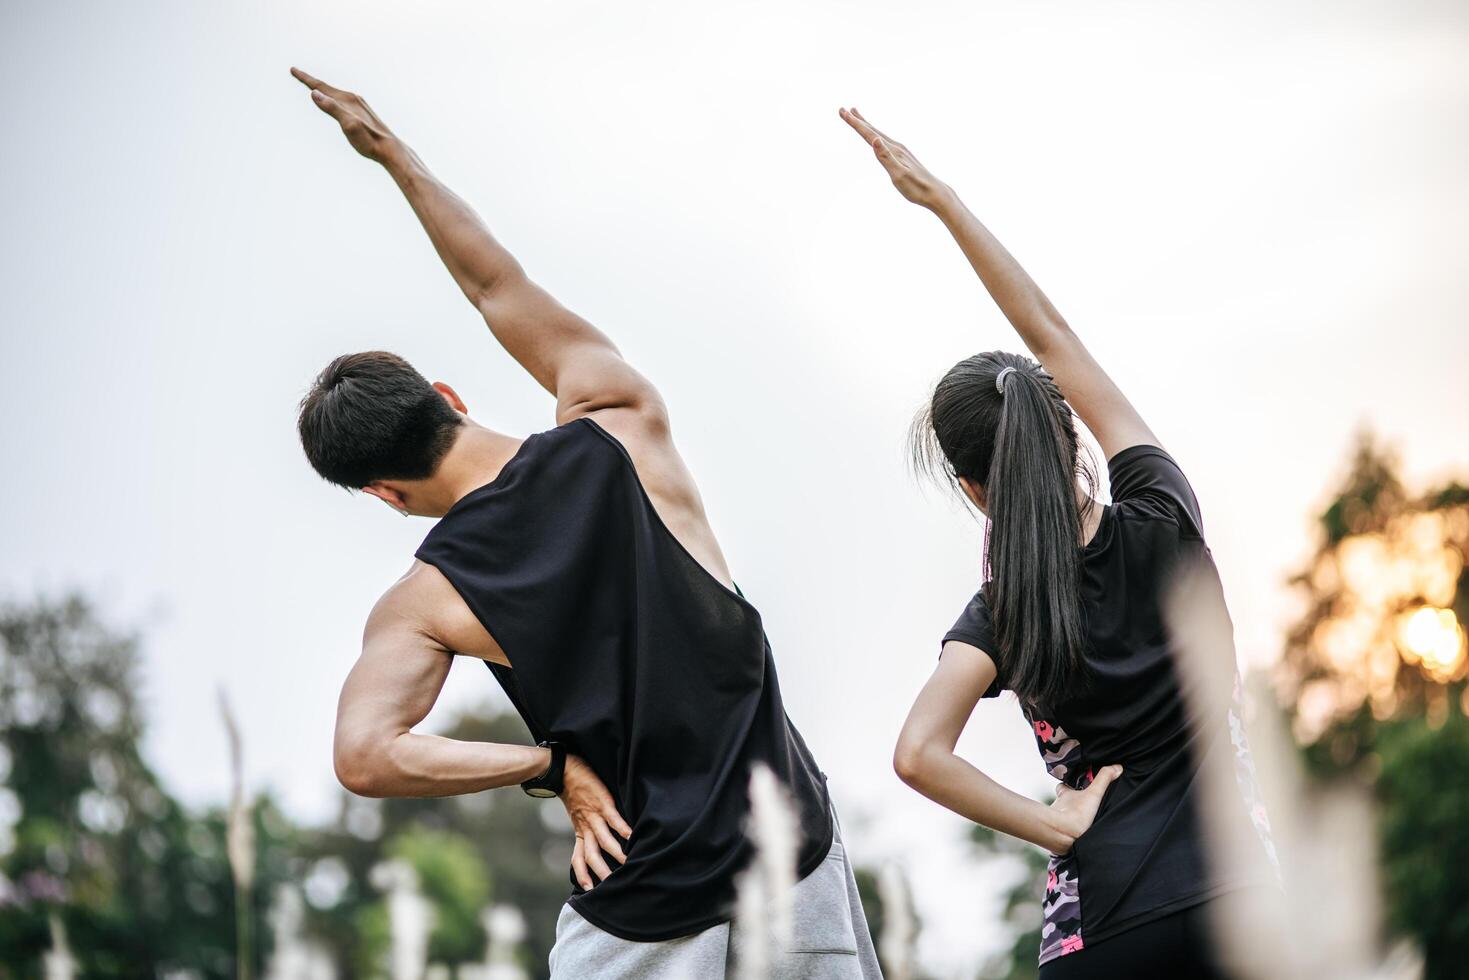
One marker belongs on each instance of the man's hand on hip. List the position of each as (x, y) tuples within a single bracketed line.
[(595, 820)]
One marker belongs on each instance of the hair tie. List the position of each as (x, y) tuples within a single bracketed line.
[(1000, 379)]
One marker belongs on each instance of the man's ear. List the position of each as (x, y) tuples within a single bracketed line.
[(452, 397), (387, 495), (976, 494)]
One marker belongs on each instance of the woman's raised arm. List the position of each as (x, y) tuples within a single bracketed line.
[(1094, 396)]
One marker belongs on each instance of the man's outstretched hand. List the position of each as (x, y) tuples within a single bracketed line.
[(368, 134)]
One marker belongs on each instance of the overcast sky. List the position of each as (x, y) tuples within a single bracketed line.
[(1254, 213)]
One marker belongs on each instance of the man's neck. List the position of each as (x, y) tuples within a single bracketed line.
[(476, 458)]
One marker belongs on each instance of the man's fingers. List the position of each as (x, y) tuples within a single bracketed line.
[(328, 105), (579, 866), (316, 84), (593, 855), (618, 824), (608, 841)]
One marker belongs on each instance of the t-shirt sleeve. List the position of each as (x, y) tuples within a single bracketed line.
[(975, 627), (1146, 479)]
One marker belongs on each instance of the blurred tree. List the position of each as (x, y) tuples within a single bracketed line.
[(1022, 903), (452, 876), (1373, 678), (144, 887), (86, 829)]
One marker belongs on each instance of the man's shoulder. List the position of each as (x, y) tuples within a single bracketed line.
[(425, 602), (405, 601)]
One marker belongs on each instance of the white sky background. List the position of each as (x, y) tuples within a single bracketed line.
[(1254, 214)]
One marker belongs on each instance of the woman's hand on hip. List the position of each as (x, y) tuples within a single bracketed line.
[(1074, 810)]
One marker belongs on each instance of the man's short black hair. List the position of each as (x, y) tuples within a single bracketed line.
[(371, 416)]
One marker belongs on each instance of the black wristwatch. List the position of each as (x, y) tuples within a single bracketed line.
[(548, 783)]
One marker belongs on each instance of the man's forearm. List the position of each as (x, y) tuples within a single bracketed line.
[(473, 257), (1029, 311), (430, 765)]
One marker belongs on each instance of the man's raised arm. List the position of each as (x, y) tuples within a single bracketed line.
[(568, 356)]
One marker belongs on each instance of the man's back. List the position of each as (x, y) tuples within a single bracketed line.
[(629, 652)]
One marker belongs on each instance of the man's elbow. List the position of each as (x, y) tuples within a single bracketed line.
[(359, 767)]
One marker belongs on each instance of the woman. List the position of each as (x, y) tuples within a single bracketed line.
[(1071, 619)]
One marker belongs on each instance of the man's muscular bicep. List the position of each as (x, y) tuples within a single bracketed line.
[(597, 379), (566, 354), (391, 688)]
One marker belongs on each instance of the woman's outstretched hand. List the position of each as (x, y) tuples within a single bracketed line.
[(910, 177), (1075, 809), (368, 134)]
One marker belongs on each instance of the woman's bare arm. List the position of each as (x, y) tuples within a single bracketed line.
[(925, 759), (1096, 398)]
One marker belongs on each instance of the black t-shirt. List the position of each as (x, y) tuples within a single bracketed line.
[(630, 653), (1144, 856)]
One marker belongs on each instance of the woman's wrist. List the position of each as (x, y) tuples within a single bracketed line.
[(944, 202), (1056, 830)]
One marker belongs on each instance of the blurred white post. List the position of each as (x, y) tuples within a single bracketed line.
[(504, 932), (1325, 922), (410, 918), (59, 963), (898, 930), (239, 844), (765, 890), (295, 956)]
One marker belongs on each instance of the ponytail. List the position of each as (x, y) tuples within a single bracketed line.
[(1000, 422)]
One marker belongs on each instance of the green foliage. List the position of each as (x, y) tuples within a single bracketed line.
[(1022, 903), (1370, 494), (871, 898), (141, 885), (1424, 797), (1415, 744), (452, 876)]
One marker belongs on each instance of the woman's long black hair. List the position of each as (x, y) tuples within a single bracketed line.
[(1020, 445)]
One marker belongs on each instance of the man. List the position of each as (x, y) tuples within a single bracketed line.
[(579, 565)]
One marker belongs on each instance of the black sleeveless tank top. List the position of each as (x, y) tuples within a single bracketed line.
[(640, 661)]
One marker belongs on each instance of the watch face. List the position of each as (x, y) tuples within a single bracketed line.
[(540, 793)]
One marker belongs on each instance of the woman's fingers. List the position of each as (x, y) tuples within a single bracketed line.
[(579, 865), (859, 124), (877, 132), (1104, 778)]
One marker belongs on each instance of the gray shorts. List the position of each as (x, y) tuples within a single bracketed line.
[(830, 940)]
